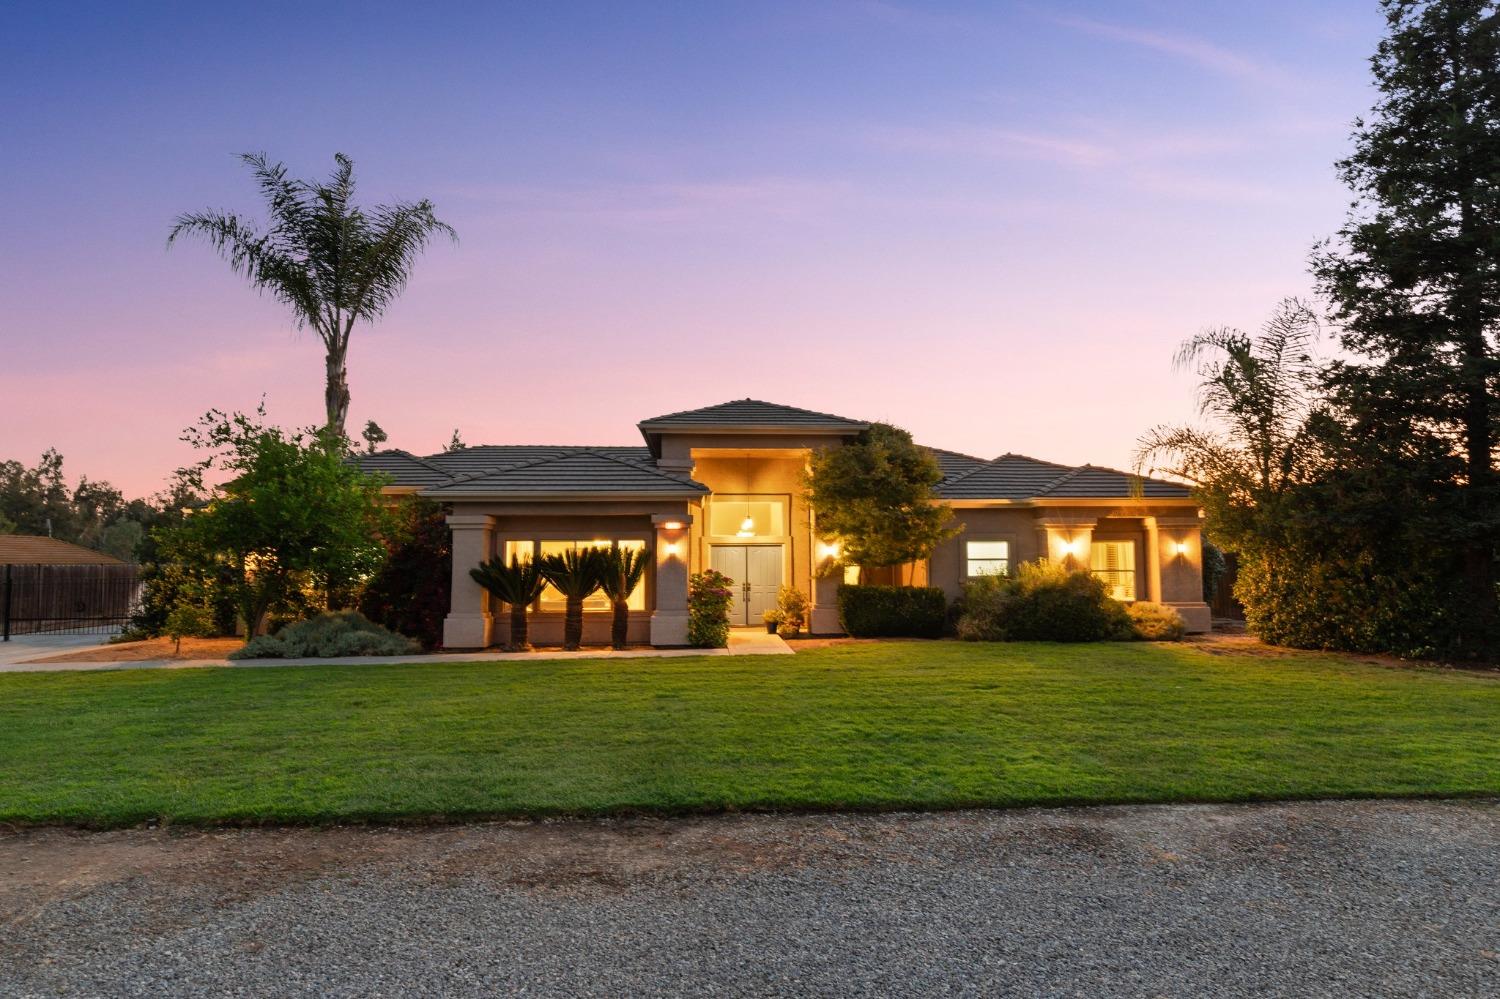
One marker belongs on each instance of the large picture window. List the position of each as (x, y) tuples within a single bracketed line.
[(747, 517), (1114, 562), (986, 558), (551, 599)]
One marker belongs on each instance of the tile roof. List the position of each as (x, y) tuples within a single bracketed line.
[(566, 469), (751, 413), (580, 471), (402, 468), (31, 549)]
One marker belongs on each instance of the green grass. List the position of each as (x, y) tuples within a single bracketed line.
[(891, 725)]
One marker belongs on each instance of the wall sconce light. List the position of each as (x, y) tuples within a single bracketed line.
[(672, 525), (1069, 547), (1180, 548), (828, 549), (670, 548)]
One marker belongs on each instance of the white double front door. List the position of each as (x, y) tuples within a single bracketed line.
[(756, 571)]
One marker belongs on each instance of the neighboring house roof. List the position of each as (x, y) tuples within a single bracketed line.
[(751, 413), (581, 471), (29, 549), (508, 471)]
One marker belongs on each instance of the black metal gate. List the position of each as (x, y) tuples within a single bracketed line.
[(66, 599)]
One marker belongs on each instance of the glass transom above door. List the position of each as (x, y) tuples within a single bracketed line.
[(746, 517)]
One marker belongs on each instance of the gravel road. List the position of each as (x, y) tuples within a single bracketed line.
[(1366, 898)]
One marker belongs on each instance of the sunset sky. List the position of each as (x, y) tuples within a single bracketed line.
[(988, 223)]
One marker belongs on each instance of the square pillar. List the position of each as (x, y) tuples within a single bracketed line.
[(823, 601), (669, 616), (1179, 555), (470, 623)]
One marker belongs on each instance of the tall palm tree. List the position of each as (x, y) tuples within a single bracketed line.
[(333, 262), (575, 574), (623, 571), (517, 584)]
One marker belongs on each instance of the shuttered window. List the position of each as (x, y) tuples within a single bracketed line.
[(1114, 562)]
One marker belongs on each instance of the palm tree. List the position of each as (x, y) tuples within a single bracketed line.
[(623, 571), (575, 574), (517, 584), (331, 261)]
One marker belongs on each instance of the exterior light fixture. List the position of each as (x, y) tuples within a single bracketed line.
[(672, 525), (828, 549), (1069, 547), (747, 528), (670, 548), (1181, 548)]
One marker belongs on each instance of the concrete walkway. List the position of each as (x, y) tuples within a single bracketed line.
[(23, 647), (741, 643)]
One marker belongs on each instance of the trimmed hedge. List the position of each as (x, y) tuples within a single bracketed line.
[(1042, 602), (892, 611)]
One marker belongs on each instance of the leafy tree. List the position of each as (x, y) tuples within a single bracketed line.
[(876, 496), (1414, 280), (190, 618), (335, 264), (409, 593), (293, 514), (623, 570), (576, 574), (93, 514), (455, 443), (518, 585), (374, 436)]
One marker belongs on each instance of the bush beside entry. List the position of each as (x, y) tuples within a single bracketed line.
[(892, 611), (709, 596), (1155, 623), (343, 633)]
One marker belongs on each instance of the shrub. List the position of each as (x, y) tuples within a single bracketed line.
[(342, 633), (409, 593), (791, 608), (188, 619), (892, 611), (1042, 602), (1155, 623), (709, 596)]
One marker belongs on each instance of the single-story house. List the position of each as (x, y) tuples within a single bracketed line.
[(719, 487)]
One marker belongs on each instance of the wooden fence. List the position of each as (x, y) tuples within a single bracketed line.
[(66, 599)]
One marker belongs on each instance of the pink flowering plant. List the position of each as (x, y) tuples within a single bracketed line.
[(709, 596)]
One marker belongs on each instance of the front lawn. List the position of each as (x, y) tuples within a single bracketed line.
[(889, 725)]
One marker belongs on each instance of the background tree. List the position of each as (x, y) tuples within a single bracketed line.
[(1414, 280), (374, 436), (94, 514), (876, 496), (294, 515), (622, 572), (335, 264)]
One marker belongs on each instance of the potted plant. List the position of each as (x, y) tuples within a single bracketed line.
[(772, 618), (791, 611)]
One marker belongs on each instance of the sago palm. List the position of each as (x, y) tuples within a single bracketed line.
[(517, 584), (576, 574), (334, 263), (623, 571)]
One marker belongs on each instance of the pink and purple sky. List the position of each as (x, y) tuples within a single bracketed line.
[(988, 223)]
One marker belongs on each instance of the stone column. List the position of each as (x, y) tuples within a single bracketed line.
[(669, 618), (1153, 561), (823, 603), (470, 621), (1179, 552), (1067, 540)]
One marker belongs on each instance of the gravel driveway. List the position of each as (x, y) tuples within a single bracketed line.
[(1368, 898)]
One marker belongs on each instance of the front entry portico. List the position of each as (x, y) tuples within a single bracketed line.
[(756, 571)]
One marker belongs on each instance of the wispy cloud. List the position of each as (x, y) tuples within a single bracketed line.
[(1204, 54), (686, 202), (995, 142)]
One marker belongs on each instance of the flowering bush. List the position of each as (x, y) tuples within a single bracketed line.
[(709, 596)]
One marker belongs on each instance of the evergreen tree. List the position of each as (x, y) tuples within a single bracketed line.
[(1414, 282)]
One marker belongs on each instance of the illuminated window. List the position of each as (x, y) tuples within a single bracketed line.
[(1114, 562), (747, 518), (986, 558), (551, 599)]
